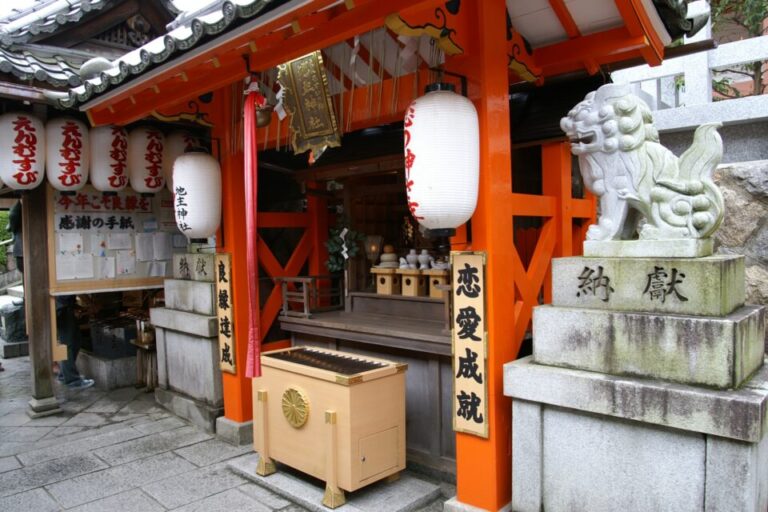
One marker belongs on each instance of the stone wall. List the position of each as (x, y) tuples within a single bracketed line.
[(745, 227), (741, 142)]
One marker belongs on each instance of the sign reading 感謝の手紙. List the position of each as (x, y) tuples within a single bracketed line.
[(223, 278), (468, 337)]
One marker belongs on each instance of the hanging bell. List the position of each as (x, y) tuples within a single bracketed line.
[(264, 115)]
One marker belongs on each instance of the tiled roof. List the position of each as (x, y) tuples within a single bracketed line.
[(56, 66), (218, 16), (44, 16)]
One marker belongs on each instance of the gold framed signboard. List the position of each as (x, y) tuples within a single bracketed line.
[(310, 106), (469, 341), (223, 280)]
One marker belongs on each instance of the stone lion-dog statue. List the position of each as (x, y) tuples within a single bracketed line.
[(644, 190)]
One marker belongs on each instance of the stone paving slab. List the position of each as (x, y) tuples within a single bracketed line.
[(409, 493), (227, 501), (8, 463), (55, 450), (161, 425), (100, 484), (130, 501), (18, 480), (35, 500), (264, 496), (150, 445), (193, 486), (212, 451)]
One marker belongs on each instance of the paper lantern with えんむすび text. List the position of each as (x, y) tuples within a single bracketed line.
[(68, 153), (22, 150), (197, 194), (442, 158), (109, 158), (145, 159), (176, 144)]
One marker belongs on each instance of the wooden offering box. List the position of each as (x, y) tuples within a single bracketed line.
[(337, 416), (387, 281), (436, 277), (414, 284)]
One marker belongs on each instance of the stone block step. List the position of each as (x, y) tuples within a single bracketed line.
[(718, 352), (191, 296), (711, 286), (16, 291)]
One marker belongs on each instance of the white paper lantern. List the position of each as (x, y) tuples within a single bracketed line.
[(442, 158), (145, 159), (68, 153), (197, 194), (109, 158), (176, 144), (22, 151)]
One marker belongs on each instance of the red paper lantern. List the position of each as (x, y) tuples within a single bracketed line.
[(109, 158), (22, 151), (68, 153), (145, 159)]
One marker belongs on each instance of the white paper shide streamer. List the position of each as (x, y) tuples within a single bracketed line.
[(68, 154), (22, 151), (109, 158), (197, 194)]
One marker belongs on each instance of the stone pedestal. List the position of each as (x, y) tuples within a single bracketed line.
[(108, 373), (646, 390), (189, 378)]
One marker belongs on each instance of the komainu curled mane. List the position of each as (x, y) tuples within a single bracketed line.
[(643, 188)]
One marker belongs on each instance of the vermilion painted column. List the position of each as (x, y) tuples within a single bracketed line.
[(484, 466), (238, 404)]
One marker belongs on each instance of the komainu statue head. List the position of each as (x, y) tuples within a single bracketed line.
[(644, 190)]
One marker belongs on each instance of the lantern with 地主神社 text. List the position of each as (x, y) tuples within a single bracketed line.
[(176, 144), (197, 194), (145, 159), (68, 154), (22, 149), (109, 158), (442, 159)]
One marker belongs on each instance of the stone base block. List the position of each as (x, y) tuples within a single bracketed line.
[(107, 373), (454, 505), (740, 415), (712, 286), (40, 408), (708, 351), (11, 349), (683, 248), (408, 493), (233, 432), (190, 296), (566, 460), (198, 413)]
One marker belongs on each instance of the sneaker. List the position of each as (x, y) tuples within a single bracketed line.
[(81, 384), (60, 377)]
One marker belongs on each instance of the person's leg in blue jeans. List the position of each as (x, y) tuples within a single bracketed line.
[(69, 334)]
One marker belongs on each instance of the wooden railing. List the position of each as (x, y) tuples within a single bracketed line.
[(305, 295)]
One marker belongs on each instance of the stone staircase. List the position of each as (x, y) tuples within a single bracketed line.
[(13, 295)]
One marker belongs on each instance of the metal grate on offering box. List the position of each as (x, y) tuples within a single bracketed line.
[(330, 361)]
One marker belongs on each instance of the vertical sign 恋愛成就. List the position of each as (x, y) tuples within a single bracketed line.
[(468, 338)]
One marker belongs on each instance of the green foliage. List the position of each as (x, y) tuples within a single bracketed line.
[(334, 244), (4, 235), (748, 14)]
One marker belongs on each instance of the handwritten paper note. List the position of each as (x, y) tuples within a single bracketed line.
[(145, 247), (105, 268), (162, 246), (126, 262), (70, 242), (157, 269), (119, 241)]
